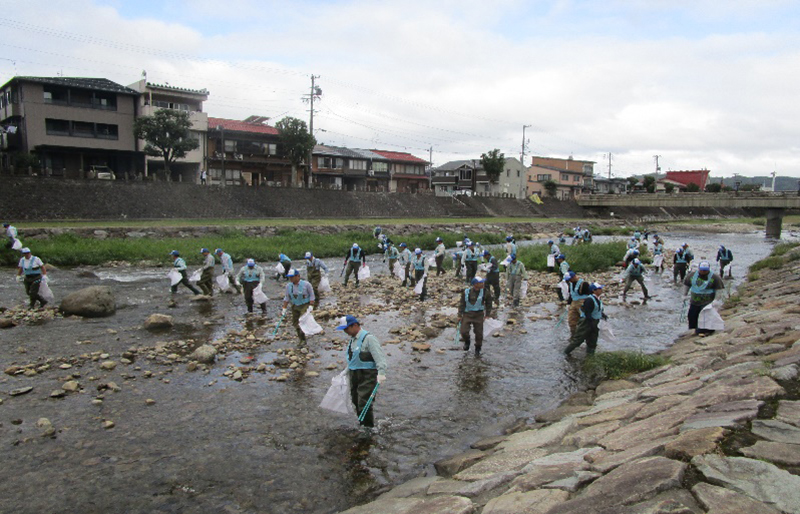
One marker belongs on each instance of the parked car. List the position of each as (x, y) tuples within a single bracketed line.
[(101, 173)]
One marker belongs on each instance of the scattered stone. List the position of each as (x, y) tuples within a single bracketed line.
[(576, 481), (538, 438), (452, 465), (729, 415), (108, 365), (7, 323), (607, 462), (90, 302), (789, 412), (158, 322), (20, 391), (694, 442), (779, 453), (65, 366), (237, 375), (192, 366), (58, 393), (312, 374), (488, 443), (205, 354), (150, 401), (776, 431), (590, 435), (674, 501), (785, 373), (421, 347), (70, 386), (500, 462), (719, 499), (107, 424), (470, 489), (611, 386)]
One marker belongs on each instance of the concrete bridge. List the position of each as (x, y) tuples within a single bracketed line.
[(773, 204)]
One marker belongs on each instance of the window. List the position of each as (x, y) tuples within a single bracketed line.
[(543, 178), (588, 169), (105, 131), (517, 173), (465, 174), (171, 105), (576, 178), (56, 127), (508, 172), (339, 163), (230, 145), (82, 129), (358, 164), (381, 166), (107, 101), (564, 177), (55, 95)]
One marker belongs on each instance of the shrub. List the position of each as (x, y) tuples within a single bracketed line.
[(617, 365), (583, 258)]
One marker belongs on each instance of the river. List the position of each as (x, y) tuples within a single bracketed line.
[(211, 444)]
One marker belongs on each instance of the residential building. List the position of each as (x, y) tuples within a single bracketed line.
[(157, 96), (407, 172), (460, 177), (569, 164), (512, 181), (697, 177), (612, 186), (246, 153), (75, 126), (372, 170), (569, 183)]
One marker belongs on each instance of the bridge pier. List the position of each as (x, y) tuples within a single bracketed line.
[(774, 223)]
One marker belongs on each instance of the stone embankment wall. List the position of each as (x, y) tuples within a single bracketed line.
[(716, 430)]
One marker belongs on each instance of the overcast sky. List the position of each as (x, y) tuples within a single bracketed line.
[(702, 84)]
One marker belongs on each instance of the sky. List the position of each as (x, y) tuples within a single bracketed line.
[(701, 84)]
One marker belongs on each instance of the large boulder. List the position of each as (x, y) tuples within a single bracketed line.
[(90, 302), (205, 354), (158, 322)]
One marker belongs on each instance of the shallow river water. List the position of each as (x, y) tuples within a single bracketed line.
[(210, 444)]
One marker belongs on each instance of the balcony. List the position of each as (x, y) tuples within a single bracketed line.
[(199, 119)]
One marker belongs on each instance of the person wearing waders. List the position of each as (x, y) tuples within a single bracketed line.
[(631, 254), (474, 307), (578, 292), (563, 265), (576, 235), (354, 259), (301, 295), (634, 273), (227, 269), (588, 325), (724, 257), (206, 282), (554, 251), (286, 262), (679, 265), (314, 269), (457, 256), (180, 265), (515, 274), (405, 263), (633, 244), (511, 245), (637, 235), (11, 234), (393, 255), (250, 275), (658, 249), (420, 264), (493, 275), (30, 271), (587, 236), (703, 286), (439, 255), (366, 367), (470, 259)]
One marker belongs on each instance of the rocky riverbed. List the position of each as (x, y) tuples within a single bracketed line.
[(716, 430)]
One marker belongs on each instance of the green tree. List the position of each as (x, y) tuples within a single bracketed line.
[(693, 188), (750, 187), (167, 135), (493, 164), (632, 183), (714, 187), (23, 162), (669, 188), (650, 183), (551, 186), (297, 143)]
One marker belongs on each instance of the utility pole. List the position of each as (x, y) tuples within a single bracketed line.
[(315, 92), (222, 145), (658, 168), (522, 153), (609, 165)]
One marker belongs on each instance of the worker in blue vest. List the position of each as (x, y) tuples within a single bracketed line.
[(587, 236), (250, 276), (405, 263), (31, 271), (658, 250), (634, 272), (631, 254), (475, 305), (366, 365), (301, 296), (703, 286), (588, 325), (458, 254), (637, 236), (555, 251), (439, 256), (470, 259), (724, 257), (11, 234), (515, 274), (420, 264), (206, 282), (227, 268), (680, 263), (314, 269), (578, 292), (633, 243), (511, 245), (563, 265), (354, 260), (286, 263), (493, 274), (393, 254), (180, 265)]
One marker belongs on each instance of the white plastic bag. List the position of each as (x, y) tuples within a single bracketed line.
[(432, 262), (506, 261), (258, 295), (308, 324), (551, 261), (399, 271), (223, 282), (709, 319), (324, 285), (523, 290), (564, 289), (484, 267), (16, 245), (174, 277), (363, 273), (606, 333), (491, 325), (658, 260), (196, 276), (337, 399), (280, 269), (420, 284), (44, 291)]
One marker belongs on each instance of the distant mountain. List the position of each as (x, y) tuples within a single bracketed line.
[(781, 183)]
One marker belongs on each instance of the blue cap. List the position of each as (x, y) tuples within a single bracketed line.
[(509, 238), (378, 229), (477, 280), (550, 242), (6, 224), (486, 252), (438, 239), (403, 245), (417, 251), (636, 262), (251, 263), (174, 252), (203, 250), (349, 321), (635, 252), (568, 276), (594, 286), (561, 256), (218, 250), (293, 273), (513, 256), (355, 245), (309, 255), (281, 256), (704, 266)]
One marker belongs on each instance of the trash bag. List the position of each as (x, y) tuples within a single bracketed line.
[(196, 276), (258, 295), (324, 285), (432, 262), (709, 319), (363, 273), (337, 399), (399, 271), (464, 269), (506, 261), (490, 326), (564, 289), (523, 290), (279, 268), (44, 291), (485, 267), (606, 333), (420, 284), (551, 261), (174, 277), (223, 282), (16, 245), (658, 260), (308, 324)]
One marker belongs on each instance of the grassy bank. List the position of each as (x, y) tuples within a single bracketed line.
[(618, 365), (71, 250), (583, 258), (780, 255)]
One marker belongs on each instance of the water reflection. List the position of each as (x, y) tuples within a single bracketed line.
[(472, 373)]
